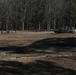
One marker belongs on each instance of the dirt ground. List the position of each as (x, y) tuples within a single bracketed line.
[(23, 53)]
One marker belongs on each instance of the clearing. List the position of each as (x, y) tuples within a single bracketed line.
[(44, 53)]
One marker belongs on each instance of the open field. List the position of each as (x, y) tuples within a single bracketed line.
[(26, 53)]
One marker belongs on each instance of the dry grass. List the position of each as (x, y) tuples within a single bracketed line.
[(23, 40)]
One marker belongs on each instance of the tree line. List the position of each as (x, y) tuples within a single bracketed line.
[(37, 14)]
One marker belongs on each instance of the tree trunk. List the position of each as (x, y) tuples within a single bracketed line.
[(11, 27), (7, 22), (47, 13), (23, 26), (54, 23), (39, 26), (48, 25), (70, 23)]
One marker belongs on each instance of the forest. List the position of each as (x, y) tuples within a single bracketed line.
[(37, 14)]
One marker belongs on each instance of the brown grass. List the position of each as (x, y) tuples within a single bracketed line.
[(23, 40)]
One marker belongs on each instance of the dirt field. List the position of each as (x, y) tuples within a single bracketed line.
[(25, 53)]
